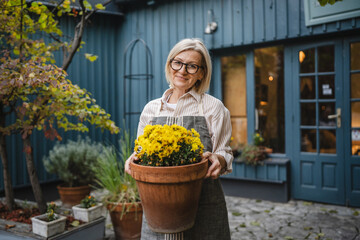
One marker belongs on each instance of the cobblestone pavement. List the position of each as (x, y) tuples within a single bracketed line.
[(255, 219)]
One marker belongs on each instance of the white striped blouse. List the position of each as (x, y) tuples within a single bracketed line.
[(216, 114)]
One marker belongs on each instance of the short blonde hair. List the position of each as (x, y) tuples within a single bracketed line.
[(197, 45)]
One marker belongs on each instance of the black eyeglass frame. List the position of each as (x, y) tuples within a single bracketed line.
[(186, 66)]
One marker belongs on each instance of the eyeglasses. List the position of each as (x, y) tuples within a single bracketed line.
[(190, 68)]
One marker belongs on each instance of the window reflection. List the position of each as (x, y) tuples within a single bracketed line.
[(308, 140), (327, 141), (355, 85), (234, 96), (326, 58), (269, 96), (307, 87), (355, 115), (308, 114), (307, 60), (355, 56), (326, 109), (355, 138)]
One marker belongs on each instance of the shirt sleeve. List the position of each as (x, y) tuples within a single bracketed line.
[(221, 128)]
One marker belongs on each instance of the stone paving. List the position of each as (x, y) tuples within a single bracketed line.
[(255, 219)]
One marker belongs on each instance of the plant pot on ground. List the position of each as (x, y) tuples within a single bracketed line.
[(121, 195), (169, 175), (73, 163), (48, 224), (88, 210)]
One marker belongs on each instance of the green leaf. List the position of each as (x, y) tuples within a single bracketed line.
[(90, 57), (356, 213), (75, 223), (87, 5), (255, 223), (99, 6), (243, 225), (236, 214)]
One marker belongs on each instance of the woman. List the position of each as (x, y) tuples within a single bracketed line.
[(188, 71)]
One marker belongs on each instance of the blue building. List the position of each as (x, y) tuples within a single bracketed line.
[(287, 69)]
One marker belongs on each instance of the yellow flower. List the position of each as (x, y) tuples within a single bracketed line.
[(164, 145)]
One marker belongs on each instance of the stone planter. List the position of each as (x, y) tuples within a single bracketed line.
[(170, 195), (47, 229), (87, 214)]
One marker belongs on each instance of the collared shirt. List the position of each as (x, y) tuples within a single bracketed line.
[(216, 114)]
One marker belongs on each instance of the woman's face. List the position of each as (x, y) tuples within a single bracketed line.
[(181, 79)]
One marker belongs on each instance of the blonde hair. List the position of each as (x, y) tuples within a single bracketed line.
[(196, 45)]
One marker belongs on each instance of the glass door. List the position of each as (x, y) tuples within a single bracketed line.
[(352, 127), (318, 164)]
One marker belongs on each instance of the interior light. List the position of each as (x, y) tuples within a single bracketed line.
[(301, 56), (271, 78)]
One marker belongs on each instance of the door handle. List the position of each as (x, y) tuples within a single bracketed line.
[(337, 116)]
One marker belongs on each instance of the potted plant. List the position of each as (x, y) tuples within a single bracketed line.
[(50, 223), (252, 155), (73, 163), (122, 196), (88, 210), (169, 175)]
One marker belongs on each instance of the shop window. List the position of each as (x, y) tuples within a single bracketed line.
[(269, 96), (355, 97), (234, 96)]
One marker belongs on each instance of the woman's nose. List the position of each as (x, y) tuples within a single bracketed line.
[(183, 70)]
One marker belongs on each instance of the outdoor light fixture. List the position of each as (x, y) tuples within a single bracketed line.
[(211, 25)]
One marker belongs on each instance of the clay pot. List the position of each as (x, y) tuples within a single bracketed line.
[(129, 226), (170, 195), (71, 196)]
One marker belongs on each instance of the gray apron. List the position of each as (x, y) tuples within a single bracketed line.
[(211, 221)]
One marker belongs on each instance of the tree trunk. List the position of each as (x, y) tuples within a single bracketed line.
[(9, 193), (33, 175)]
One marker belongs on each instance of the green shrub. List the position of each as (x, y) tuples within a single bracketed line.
[(74, 161)]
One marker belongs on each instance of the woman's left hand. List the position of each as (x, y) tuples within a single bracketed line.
[(214, 170)]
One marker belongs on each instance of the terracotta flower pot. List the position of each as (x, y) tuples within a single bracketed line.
[(129, 226), (71, 196), (170, 195)]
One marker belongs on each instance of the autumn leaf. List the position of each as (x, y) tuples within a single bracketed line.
[(7, 226)]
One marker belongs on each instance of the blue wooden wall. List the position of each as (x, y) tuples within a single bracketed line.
[(242, 24)]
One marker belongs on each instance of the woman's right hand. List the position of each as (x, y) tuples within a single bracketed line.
[(127, 162)]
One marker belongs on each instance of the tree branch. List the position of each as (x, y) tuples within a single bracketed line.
[(79, 31)]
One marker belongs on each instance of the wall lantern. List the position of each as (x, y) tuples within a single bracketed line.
[(211, 24)]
